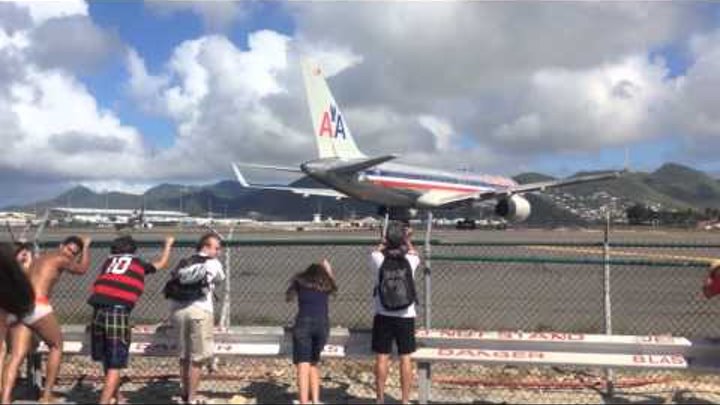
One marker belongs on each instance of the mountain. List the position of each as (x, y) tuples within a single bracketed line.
[(685, 184), (543, 210), (532, 177), (670, 186)]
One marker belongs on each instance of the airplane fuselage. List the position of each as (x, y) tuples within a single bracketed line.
[(398, 185)]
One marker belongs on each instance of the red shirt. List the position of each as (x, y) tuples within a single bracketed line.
[(121, 281)]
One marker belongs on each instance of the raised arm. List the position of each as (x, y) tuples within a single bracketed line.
[(328, 268), (162, 262), (291, 292), (83, 265), (410, 246)]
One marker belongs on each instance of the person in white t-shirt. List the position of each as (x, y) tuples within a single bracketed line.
[(394, 325), (192, 311)]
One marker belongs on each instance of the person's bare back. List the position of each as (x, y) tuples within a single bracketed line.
[(46, 269), (43, 275), (45, 272)]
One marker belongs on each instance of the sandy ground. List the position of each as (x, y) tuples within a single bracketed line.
[(352, 382)]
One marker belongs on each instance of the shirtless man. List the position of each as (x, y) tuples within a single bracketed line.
[(43, 275)]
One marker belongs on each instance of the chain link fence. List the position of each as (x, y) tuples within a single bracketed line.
[(548, 283)]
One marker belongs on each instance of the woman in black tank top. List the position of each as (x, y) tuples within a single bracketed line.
[(312, 288)]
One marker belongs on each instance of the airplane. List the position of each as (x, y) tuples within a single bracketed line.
[(120, 218), (396, 188)]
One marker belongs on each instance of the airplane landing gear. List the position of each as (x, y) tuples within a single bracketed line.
[(396, 213), (466, 223)]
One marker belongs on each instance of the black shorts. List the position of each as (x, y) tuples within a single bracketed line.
[(309, 338), (111, 331), (387, 329)]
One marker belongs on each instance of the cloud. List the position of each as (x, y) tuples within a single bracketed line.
[(441, 129), (78, 143), (564, 110), (447, 84), (54, 119), (74, 43), (453, 48), (42, 11), (217, 16), (698, 103), (52, 127), (218, 97), (13, 18), (521, 80)]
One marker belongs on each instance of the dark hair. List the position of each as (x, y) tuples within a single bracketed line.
[(205, 240), (315, 277), (16, 293), (396, 239), (74, 240), (123, 245), (395, 236), (20, 246)]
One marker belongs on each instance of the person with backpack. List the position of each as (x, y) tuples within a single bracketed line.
[(190, 291), (312, 288), (394, 263), (119, 285)]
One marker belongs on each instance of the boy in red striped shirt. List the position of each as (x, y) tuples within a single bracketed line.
[(119, 285)]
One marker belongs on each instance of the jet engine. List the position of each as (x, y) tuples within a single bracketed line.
[(515, 208)]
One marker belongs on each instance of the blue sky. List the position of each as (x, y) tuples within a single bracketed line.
[(174, 91)]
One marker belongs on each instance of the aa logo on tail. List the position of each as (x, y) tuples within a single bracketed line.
[(332, 119)]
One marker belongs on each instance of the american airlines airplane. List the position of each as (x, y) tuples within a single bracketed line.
[(349, 173)]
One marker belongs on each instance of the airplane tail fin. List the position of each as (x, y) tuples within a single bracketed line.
[(333, 136)]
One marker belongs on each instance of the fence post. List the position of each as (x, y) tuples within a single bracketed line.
[(33, 362), (424, 372), (609, 374), (225, 313)]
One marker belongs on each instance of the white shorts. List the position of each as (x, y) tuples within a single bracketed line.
[(42, 309)]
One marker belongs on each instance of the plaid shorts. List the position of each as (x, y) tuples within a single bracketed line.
[(110, 343)]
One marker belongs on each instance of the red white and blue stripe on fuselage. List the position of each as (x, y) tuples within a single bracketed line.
[(423, 180)]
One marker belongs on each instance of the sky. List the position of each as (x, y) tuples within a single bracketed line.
[(124, 95)]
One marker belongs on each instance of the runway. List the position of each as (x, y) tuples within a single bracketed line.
[(530, 295)]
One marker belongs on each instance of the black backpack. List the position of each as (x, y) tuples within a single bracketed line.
[(188, 281), (396, 287)]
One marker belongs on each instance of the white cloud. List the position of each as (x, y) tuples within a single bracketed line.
[(698, 104), (52, 126), (610, 105), (524, 80), (441, 129), (219, 97), (217, 16), (60, 129), (74, 43), (488, 85), (44, 10)]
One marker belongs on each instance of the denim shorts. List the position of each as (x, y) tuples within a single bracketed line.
[(309, 338)]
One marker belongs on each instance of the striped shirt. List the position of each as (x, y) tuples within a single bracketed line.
[(121, 281)]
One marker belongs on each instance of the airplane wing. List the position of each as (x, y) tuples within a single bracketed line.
[(543, 185), (449, 199), (356, 165), (304, 191), (269, 167)]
